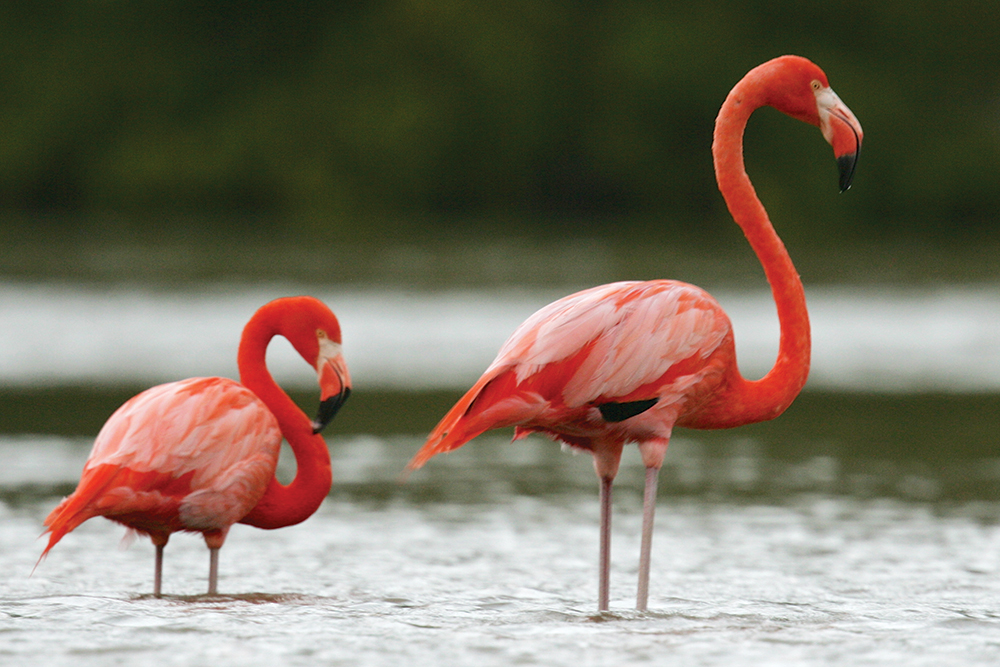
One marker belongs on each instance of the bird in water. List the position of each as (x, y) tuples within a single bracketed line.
[(199, 455), (628, 361)]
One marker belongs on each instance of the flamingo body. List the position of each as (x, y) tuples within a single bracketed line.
[(628, 361), (199, 455), (194, 455), (568, 367)]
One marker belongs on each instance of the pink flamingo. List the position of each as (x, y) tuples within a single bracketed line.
[(628, 361), (199, 455)]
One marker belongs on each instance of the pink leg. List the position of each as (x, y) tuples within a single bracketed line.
[(604, 566), (158, 572), (214, 539), (213, 571), (159, 541), (648, 510)]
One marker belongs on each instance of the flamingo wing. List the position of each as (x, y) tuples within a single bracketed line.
[(190, 455), (627, 345)]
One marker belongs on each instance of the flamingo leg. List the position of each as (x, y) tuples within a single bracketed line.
[(158, 570), (648, 510), (213, 570), (604, 565)]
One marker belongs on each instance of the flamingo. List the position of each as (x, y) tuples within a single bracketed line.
[(628, 361), (199, 455)]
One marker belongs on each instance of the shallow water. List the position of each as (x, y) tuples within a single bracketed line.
[(818, 581), (860, 528), (488, 557)]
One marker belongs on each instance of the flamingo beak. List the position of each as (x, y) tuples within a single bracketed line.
[(846, 164), (335, 387), (843, 131)]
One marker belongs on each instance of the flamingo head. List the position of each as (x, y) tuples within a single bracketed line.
[(799, 88), (314, 332)]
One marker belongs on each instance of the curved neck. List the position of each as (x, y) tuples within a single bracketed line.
[(768, 397), (283, 505)]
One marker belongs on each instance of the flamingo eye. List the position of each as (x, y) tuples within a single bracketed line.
[(816, 85), (320, 334)]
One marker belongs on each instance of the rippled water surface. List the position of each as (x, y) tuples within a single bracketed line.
[(483, 558), (860, 528)]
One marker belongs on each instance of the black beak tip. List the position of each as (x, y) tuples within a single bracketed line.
[(847, 164), (328, 410)]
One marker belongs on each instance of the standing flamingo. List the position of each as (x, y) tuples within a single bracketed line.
[(628, 361), (199, 455)]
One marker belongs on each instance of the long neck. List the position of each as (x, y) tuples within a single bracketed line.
[(283, 505), (768, 397)]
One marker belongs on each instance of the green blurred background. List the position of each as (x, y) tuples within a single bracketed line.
[(399, 121)]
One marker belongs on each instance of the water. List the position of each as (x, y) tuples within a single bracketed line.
[(818, 581), (860, 528), (488, 557), (885, 339)]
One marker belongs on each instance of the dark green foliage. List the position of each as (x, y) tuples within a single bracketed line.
[(321, 115)]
